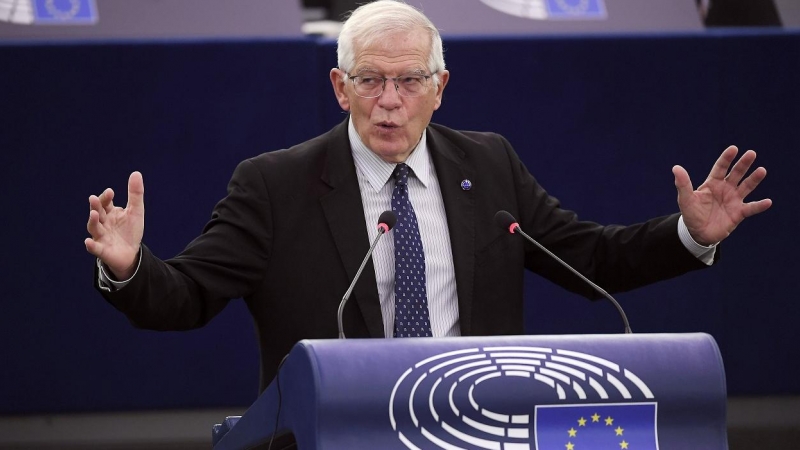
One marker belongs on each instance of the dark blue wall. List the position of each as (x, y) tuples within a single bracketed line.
[(599, 120)]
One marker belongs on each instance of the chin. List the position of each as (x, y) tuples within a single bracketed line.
[(391, 153)]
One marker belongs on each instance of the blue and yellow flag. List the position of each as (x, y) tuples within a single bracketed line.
[(66, 12), (576, 9), (617, 426)]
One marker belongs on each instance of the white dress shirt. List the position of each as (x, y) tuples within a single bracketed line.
[(376, 185)]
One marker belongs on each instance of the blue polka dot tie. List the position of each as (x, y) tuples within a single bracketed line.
[(411, 317)]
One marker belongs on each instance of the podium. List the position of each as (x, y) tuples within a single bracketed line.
[(636, 391)]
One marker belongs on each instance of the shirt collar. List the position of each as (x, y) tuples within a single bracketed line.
[(377, 171)]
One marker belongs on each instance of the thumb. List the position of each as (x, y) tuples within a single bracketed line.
[(136, 192), (682, 182)]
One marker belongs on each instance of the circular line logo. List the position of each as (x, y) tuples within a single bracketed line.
[(450, 399), (16, 11)]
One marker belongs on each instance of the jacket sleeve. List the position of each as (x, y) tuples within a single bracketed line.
[(227, 261), (617, 258)]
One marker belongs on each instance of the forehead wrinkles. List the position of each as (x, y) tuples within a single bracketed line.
[(409, 52), (385, 65)]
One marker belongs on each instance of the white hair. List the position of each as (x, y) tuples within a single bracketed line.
[(374, 21)]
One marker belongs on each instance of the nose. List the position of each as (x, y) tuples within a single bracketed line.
[(390, 97)]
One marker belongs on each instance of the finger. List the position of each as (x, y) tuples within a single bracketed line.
[(682, 182), (741, 167), (757, 207), (107, 200), (96, 205), (751, 182), (135, 193), (93, 247), (94, 226), (723, 163)]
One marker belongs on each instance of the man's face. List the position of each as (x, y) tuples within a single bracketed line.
[(391, 125)]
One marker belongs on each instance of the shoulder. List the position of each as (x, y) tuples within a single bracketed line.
[(298, 155), (301, 162), (480, 148), (469, 140), (479, 151)]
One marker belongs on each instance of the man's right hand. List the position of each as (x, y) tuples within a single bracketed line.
[(117, 232)]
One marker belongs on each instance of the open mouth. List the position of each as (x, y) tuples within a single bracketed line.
[(387, 125)]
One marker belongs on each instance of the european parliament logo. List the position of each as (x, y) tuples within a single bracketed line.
[(551, 9), (49, 12), (522, 398)]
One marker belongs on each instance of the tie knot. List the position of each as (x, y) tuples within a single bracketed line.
[(401, 174)]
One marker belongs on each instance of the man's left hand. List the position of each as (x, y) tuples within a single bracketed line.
[(717, 207)]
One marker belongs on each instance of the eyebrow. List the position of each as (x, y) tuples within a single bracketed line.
[(416, 71)]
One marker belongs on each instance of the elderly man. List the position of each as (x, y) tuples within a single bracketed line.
[(296, 223)]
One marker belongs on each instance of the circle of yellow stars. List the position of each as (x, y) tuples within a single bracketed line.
[(572, 432)]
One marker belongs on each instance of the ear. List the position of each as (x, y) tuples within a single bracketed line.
[(444, 76), (339, 83)]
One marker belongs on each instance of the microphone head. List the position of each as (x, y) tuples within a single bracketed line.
[(505, 220), (387, 221)]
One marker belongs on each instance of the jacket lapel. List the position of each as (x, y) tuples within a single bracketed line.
[(344, 212), (451, 169)]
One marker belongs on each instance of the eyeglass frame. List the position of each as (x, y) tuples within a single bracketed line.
[(394, 81)]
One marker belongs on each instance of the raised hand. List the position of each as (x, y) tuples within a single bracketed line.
[(717, 207), (117, 232)]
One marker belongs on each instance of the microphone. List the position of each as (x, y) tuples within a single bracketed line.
[(507, 221), (386, 222)]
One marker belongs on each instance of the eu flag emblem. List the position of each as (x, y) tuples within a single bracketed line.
[(66, 12), (576, 9), (612, 426)]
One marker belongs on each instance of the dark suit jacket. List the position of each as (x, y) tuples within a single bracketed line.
[(290, 235)]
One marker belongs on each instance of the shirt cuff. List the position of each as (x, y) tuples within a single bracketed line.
[(701, 252), (106, 283)]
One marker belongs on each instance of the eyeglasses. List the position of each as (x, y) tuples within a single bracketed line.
[(371, 85)]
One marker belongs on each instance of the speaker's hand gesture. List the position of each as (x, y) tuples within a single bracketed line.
[(117, 232), (717, 207)]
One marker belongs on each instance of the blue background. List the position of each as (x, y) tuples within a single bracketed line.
[(599, 121)]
